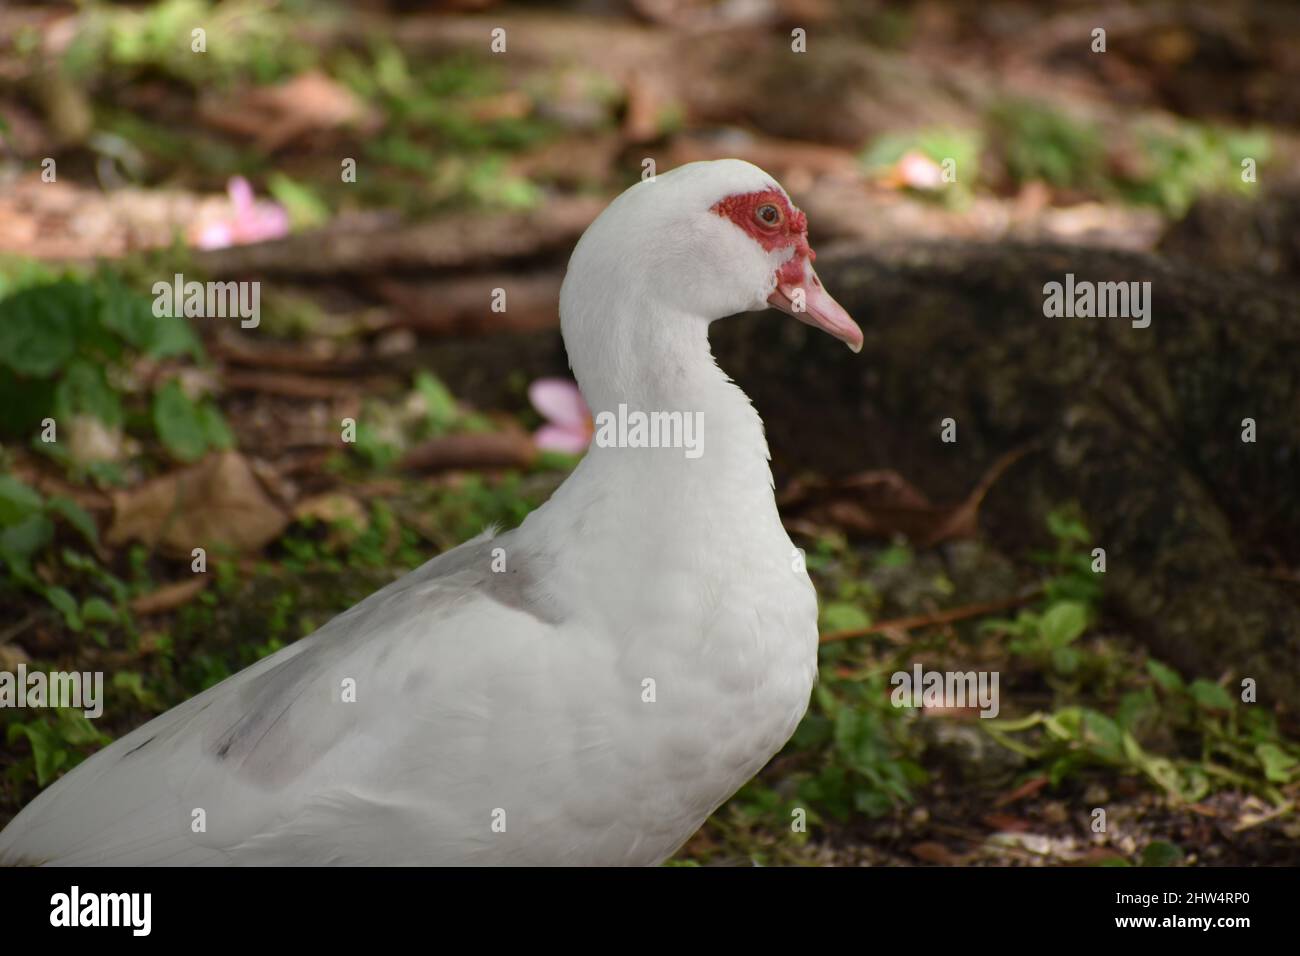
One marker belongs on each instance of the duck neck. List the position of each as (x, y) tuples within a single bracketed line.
[(678, 445)]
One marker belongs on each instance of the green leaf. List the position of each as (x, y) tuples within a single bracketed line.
[(440, 405), (75, 515), (1166, 677), (83, 389), (17, 500), (48, 752), (131, 683), (130, 315), (20, 542), (1135, 707), (1066, 527), (844, 616), (75, 728), (1161, 853), (214, 426), (96, 610), (1103, 735), (173, 336), (51, 738), (66, 605), (306, 209), (187, 428), (38, 327), (1063, 623), (1065, 660), (126, 313), (1210, 695), (1278, 764)]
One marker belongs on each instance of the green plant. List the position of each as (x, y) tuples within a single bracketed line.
[(58, 742), (186, 426), (1187, 160), (27, 526), (1046, 633), (68, 349), (859, 742), (1038, 141), (1225, 743), (244, 39)]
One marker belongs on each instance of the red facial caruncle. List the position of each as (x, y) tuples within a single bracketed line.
[(768, 218), (773, 223)]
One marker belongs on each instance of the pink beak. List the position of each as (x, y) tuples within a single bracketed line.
[(808, 301)]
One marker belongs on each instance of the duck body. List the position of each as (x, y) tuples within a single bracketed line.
[(584, 689)]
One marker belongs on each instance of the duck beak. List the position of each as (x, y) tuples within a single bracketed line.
[(808, 301)]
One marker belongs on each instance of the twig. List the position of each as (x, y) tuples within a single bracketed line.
[(283, 383), (938, 617), (1273, 814)]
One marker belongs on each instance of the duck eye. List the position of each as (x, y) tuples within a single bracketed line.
[(768, 214)]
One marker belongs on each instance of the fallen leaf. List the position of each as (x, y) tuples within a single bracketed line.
[(882, 504), (169, 596), (1005, 823), (1026, 789), (934, 853), (276, 115), (333, 507), (215, 504)]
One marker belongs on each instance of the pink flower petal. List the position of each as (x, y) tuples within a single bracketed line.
[(241, 194), (919, 171), (554, 438), (559, 401), (215, 235), (268, 222)]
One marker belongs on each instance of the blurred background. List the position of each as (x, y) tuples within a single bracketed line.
[(1115, 529)]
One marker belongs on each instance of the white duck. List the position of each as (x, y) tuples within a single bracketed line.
[(508, 717)]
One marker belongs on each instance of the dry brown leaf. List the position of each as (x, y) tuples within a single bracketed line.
[(930, 852), (276, 115), (1005, 823), (1026, 789), (333, 507), (881, 504), (216, 504), (169, 596)]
